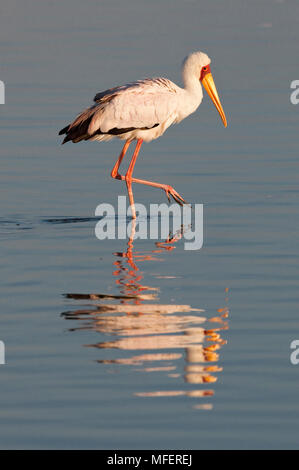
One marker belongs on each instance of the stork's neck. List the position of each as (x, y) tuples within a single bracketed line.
[(192, 85), (191, 96)]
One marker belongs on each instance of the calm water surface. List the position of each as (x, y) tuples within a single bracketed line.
[(113, 344)]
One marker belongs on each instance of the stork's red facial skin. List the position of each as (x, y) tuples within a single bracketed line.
[(206, 69)]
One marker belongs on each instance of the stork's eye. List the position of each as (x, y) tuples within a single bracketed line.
[(205, 69)]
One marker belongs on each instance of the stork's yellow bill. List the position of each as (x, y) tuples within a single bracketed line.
[(209, 84)]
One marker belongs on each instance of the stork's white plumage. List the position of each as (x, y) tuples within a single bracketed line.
[(142, 111)]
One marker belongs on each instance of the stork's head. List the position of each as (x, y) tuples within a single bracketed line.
[(198, 65)]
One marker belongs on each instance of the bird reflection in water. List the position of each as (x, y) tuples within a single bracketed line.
[(154, 336)]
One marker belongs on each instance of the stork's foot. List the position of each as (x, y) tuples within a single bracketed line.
[(174, 194)]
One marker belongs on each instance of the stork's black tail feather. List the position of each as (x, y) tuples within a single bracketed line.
[(78, 130), (66, 139), (64, 130)]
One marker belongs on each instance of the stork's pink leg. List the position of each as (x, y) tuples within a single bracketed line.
[(114, 172), (169, 190), (129, 180), (128, 177)]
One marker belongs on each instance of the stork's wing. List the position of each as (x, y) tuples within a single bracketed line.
[(141, 105)]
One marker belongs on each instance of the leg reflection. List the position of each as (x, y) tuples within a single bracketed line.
[(152, 336)]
